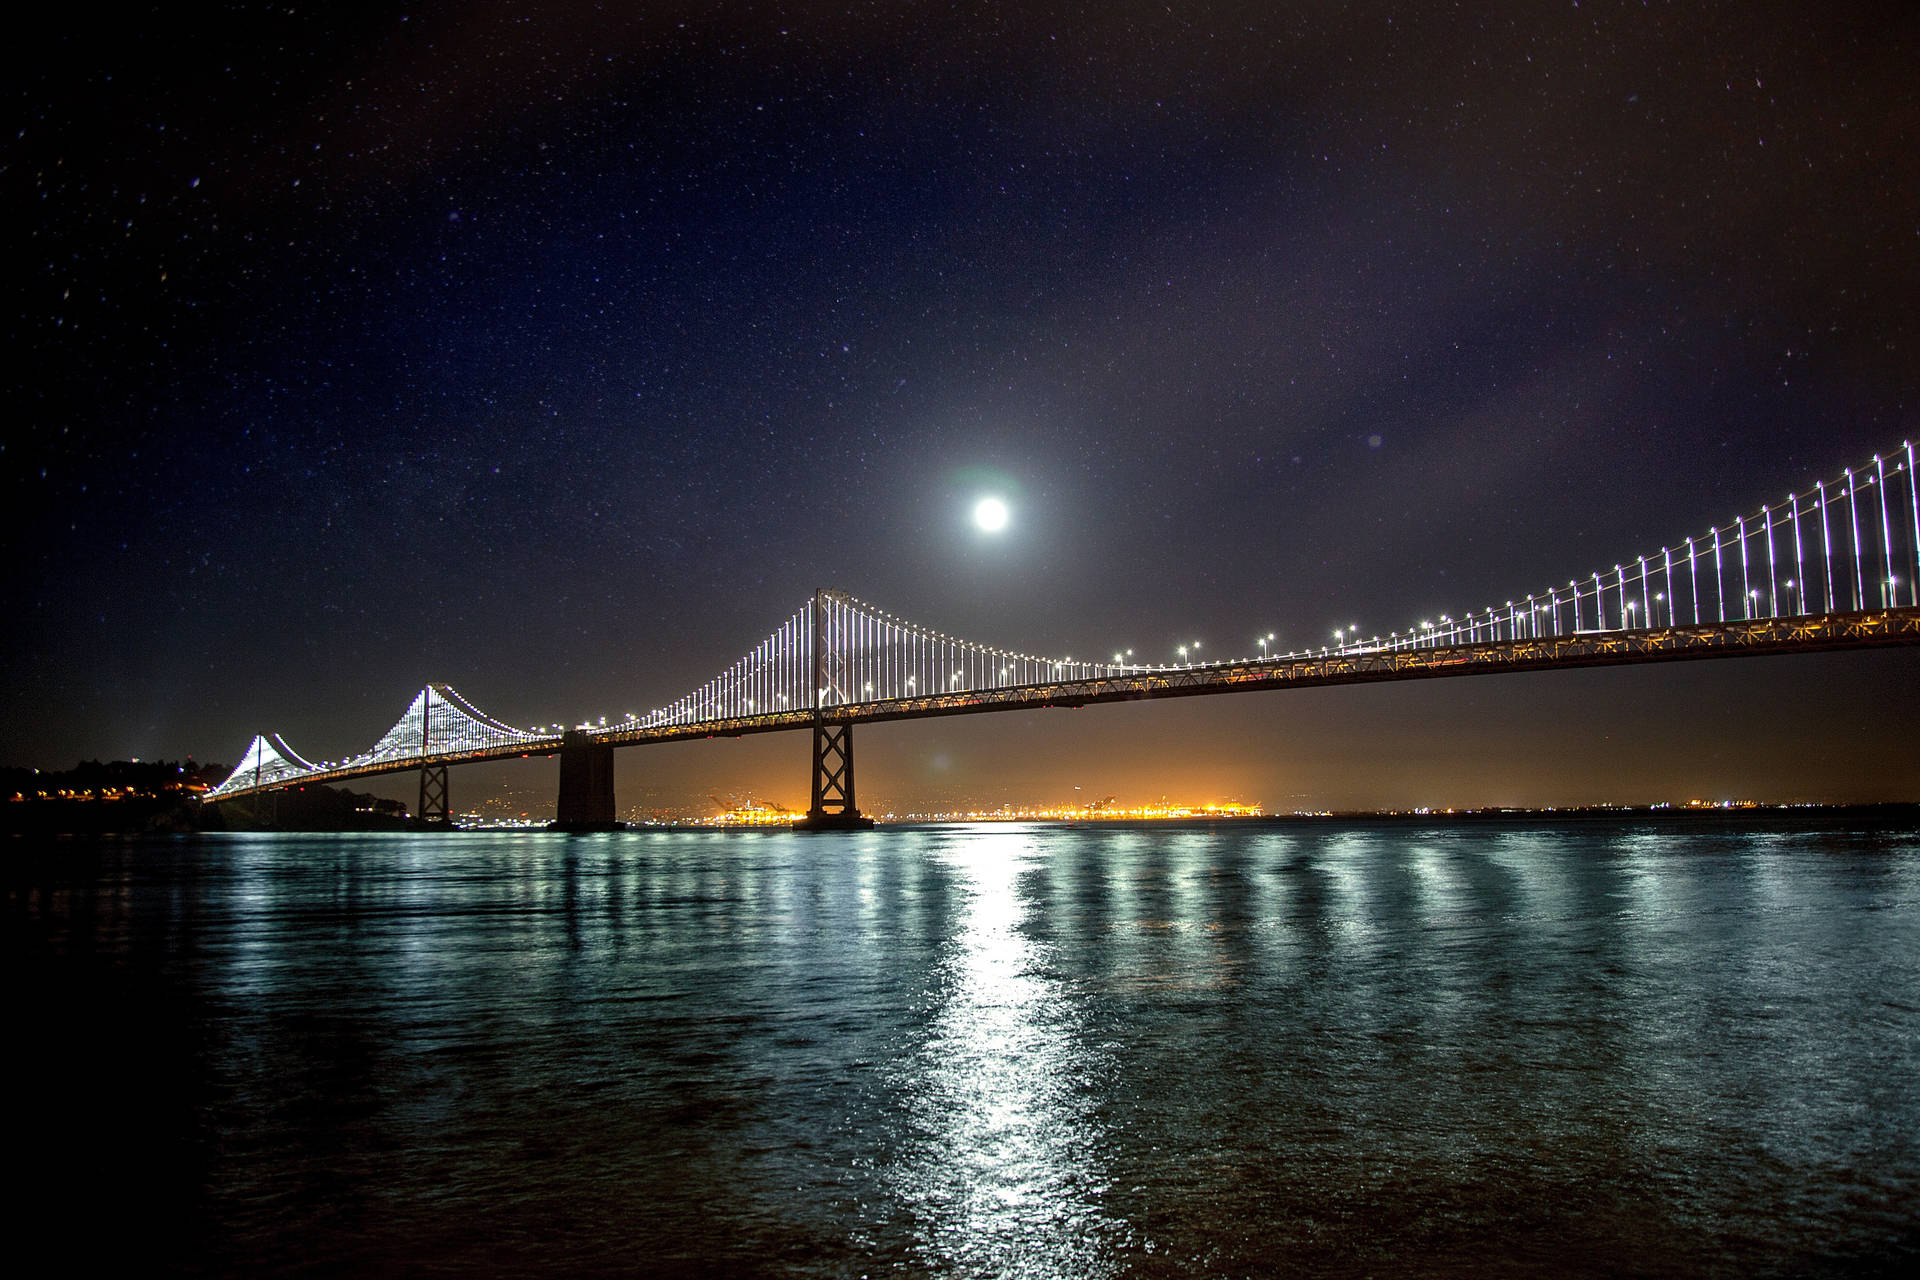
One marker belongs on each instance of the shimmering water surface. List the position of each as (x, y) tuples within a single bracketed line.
[(1335, 1049)]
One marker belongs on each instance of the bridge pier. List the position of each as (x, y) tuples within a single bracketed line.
[(833, 808), (435, 809), (586, 785)]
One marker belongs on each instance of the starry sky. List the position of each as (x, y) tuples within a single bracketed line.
[(559, 350)]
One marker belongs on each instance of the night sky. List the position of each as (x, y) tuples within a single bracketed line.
[(558, 351)]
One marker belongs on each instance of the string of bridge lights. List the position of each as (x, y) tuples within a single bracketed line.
[(1805, 555), (1840, 571), (887, 656), (1854, 575)]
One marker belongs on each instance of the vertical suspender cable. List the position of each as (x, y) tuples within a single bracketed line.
[(1666, 557), (1913, 510), (1886, 531), (1746, 581), (1853, 522), (1693, 568), (1773, 589), (1719, 576), (1799, 557), (1826, 543)]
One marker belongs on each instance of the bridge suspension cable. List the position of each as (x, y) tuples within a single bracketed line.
[(1847, 545), (1842, 546), (438, 724), (268, 761), (871, 655)]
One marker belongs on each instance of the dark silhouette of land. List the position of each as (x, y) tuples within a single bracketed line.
[(146, 797), (136, 797)]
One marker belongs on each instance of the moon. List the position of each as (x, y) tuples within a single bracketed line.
[(990, 515)]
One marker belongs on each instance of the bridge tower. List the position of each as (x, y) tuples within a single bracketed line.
[(435, 808), (833, 807)]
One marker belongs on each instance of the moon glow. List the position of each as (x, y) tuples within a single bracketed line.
[(990, 515)]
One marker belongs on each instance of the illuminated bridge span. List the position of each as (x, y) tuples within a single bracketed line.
[(1835, 566)]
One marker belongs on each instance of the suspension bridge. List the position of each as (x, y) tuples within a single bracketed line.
[(1834, 566)]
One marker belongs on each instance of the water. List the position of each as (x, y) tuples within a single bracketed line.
[(1331, 1049)]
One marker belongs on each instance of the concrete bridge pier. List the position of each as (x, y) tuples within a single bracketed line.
[(586, 785)]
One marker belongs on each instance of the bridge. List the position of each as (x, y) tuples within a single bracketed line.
[(1834, 566)]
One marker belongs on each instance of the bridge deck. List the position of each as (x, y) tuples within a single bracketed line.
[(1746, 638)]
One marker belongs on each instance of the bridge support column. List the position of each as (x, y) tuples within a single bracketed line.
[(586, 785), (833, 808), (434, 810)]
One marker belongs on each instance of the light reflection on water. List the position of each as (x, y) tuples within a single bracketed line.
[(1334, 1049), (1002, 1163)]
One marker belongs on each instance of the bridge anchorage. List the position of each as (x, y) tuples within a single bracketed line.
[(1832, 566)]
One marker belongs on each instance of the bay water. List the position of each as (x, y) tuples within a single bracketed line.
[(1324, 1048)]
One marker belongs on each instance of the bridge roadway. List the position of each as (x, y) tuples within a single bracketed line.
[(1350, 665)]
